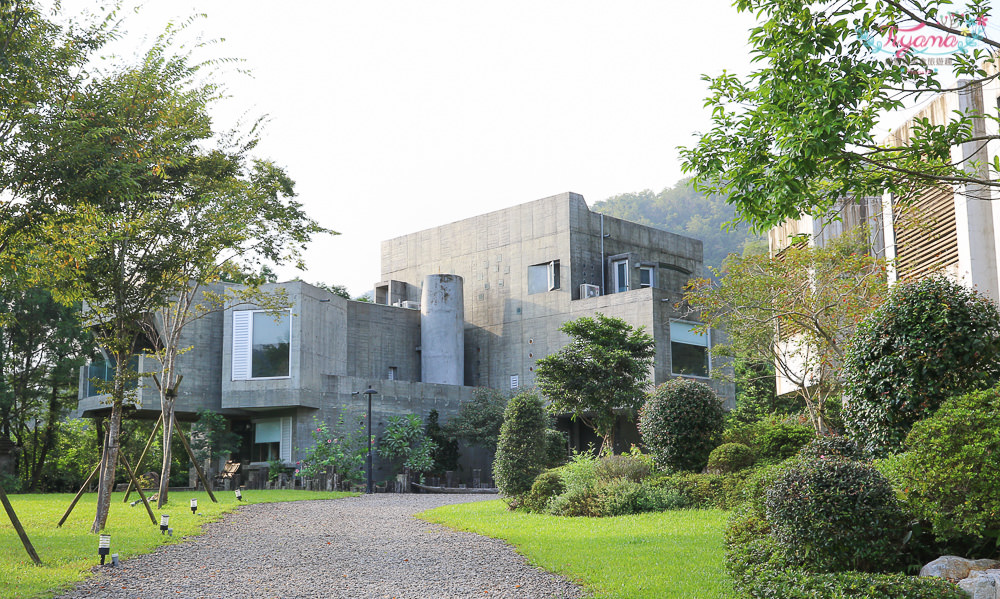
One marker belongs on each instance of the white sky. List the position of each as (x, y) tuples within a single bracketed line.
[(396, 116)]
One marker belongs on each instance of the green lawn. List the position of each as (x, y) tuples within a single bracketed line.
[(662, 555), (69, 553)]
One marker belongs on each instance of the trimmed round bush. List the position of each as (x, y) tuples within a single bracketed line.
[(730, 457), (520, 453), (832, 515), (681, 423), (547, 485), (932, 339), (949, 473), (832, 447)]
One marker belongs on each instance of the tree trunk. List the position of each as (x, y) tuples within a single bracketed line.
[(608, 443), (47, 437), (109, 460), (168, 436)]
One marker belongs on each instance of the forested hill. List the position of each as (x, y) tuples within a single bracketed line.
[(680, 209)]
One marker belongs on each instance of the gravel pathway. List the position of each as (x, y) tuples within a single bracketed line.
[(360, 547)]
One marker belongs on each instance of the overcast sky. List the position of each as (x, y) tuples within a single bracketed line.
[(396, 116)]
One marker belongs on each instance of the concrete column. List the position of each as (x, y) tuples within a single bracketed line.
[(442, 330)]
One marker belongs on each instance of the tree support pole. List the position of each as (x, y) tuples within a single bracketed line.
[(201, 475), (128, 467), (20, 529), (79, 493), (128, 491)]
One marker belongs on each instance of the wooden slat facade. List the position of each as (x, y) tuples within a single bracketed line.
[(926, 237)]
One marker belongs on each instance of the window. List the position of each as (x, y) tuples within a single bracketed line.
[(688, 350), (647, 277), (393, 373), (619, 275), (514, 381), (543, 277), (272, 440), (261, 344)]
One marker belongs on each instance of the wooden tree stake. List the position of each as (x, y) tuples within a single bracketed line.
[(20, 529)]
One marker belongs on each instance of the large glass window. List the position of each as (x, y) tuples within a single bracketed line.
[(543, 277), (270, 345), (688, 350)]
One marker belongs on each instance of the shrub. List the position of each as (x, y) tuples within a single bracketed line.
[(830, 448), (556, 448), (949, 475), (730, 457), (445, 454), (547, 485), (931, 340), (621, 466), (404, 439), (521, 449), (834, 514), (621, 496), (343, 454), (705, 491), (782, 441), (681, 423), (797, 584), (578, 501)]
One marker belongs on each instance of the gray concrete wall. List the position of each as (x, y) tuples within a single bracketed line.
[(382, 337)]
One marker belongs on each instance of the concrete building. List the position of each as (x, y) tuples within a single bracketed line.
[(472, 303)]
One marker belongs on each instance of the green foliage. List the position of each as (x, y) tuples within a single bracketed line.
[(478, 422), (603, 369), (211, 437), (931, 340), (782, 441), (830, 515), (825, 448), (404, 439), (803, 130), (274, 470), (520, 453), (797, 584), (704, 491), (338, 454), (811, 298), (622, 496), (547, 485), (445, 454), (730, 457), (756, 392), (612, 467), (556, 448), (681, 423), (682, 209), (947, 476)]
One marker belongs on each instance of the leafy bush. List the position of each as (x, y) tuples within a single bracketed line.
[(782, 441), (621, 496), (547, 485), (931, 340), (576, 501), (949, 475), (834, 514), (521, 449), (681, 423), (791, 583), (730, 457), (622, 466), (445, 454), (340, 454), (704, 491), (404, 439), (478, 422), (830, 448), (556, 448)]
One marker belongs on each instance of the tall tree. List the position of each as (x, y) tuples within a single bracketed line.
[(801, 132), (795, 311), (604, 369)]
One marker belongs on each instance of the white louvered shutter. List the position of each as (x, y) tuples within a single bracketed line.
[(286, 439), (241, 344)]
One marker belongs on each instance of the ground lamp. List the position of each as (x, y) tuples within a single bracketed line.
[(104, 547), (194, 505), (239, 495), (369, 392), (164, 523)]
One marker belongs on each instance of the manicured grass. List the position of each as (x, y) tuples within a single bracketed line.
[(69, 553), (662, 555)]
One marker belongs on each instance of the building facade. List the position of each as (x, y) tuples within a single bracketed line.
[(474, 303)]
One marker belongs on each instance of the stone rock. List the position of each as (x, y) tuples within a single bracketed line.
[(956, 568), (982, 584)]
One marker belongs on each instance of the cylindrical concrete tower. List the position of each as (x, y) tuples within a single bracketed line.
[(442, 330)]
